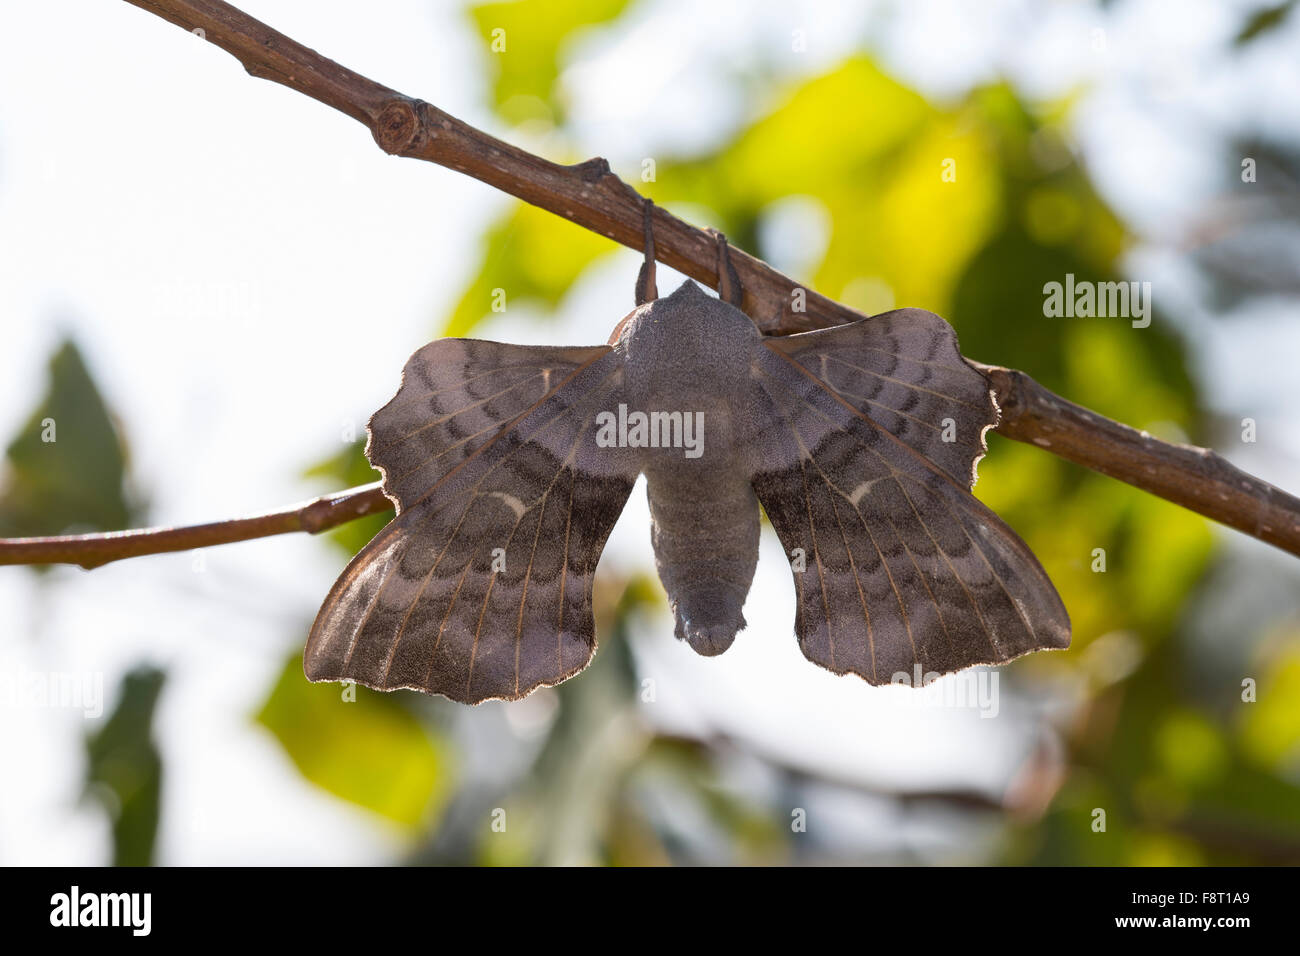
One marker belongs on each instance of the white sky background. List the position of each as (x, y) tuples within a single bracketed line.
[(246, 273)]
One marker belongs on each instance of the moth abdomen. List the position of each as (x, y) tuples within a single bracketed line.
[(705, 534)]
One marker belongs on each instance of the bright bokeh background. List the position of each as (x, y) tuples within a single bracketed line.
[(210, 282)]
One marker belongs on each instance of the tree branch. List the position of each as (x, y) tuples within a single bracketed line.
[(586, 193), (591, 196), (92, 550), (1196, 478)]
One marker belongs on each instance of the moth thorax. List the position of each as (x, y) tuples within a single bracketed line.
[(689, 344)]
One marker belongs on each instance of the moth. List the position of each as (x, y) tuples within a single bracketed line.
[(510, 464)]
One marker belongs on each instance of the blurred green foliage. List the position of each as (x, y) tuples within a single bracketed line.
[(67, 465), (966, 208), (67, 473), (559, 815), (524, 44), (124, 768), (511, 265), (1264, 21), (364, 747)]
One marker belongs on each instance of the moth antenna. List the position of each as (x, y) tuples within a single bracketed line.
[(646, 290), (729, 289)]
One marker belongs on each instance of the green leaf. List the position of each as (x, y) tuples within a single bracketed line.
[(362, 746), (124, 768), (1262, 22), (533, 36), (1270, 727), (530, 256), (67, 466)]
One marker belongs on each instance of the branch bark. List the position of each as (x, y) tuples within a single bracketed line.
[(92, 550), (1196, 478), (591, 196), (587, 193)]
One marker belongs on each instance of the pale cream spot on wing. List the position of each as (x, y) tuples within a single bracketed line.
[(861, 491), (513, 503)]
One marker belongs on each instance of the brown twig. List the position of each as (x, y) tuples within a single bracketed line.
[(92, 550), (1196, 478), (593, 197), (586, 193)]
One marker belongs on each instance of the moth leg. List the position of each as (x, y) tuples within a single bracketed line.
[(729, 289), (646, 290)]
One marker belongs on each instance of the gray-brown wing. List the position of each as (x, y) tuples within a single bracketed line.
[(481, 587), (455, 395), (903, 566), (903, 369)]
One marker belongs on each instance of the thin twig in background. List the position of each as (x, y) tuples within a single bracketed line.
[(92, 550), (591, 196)]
